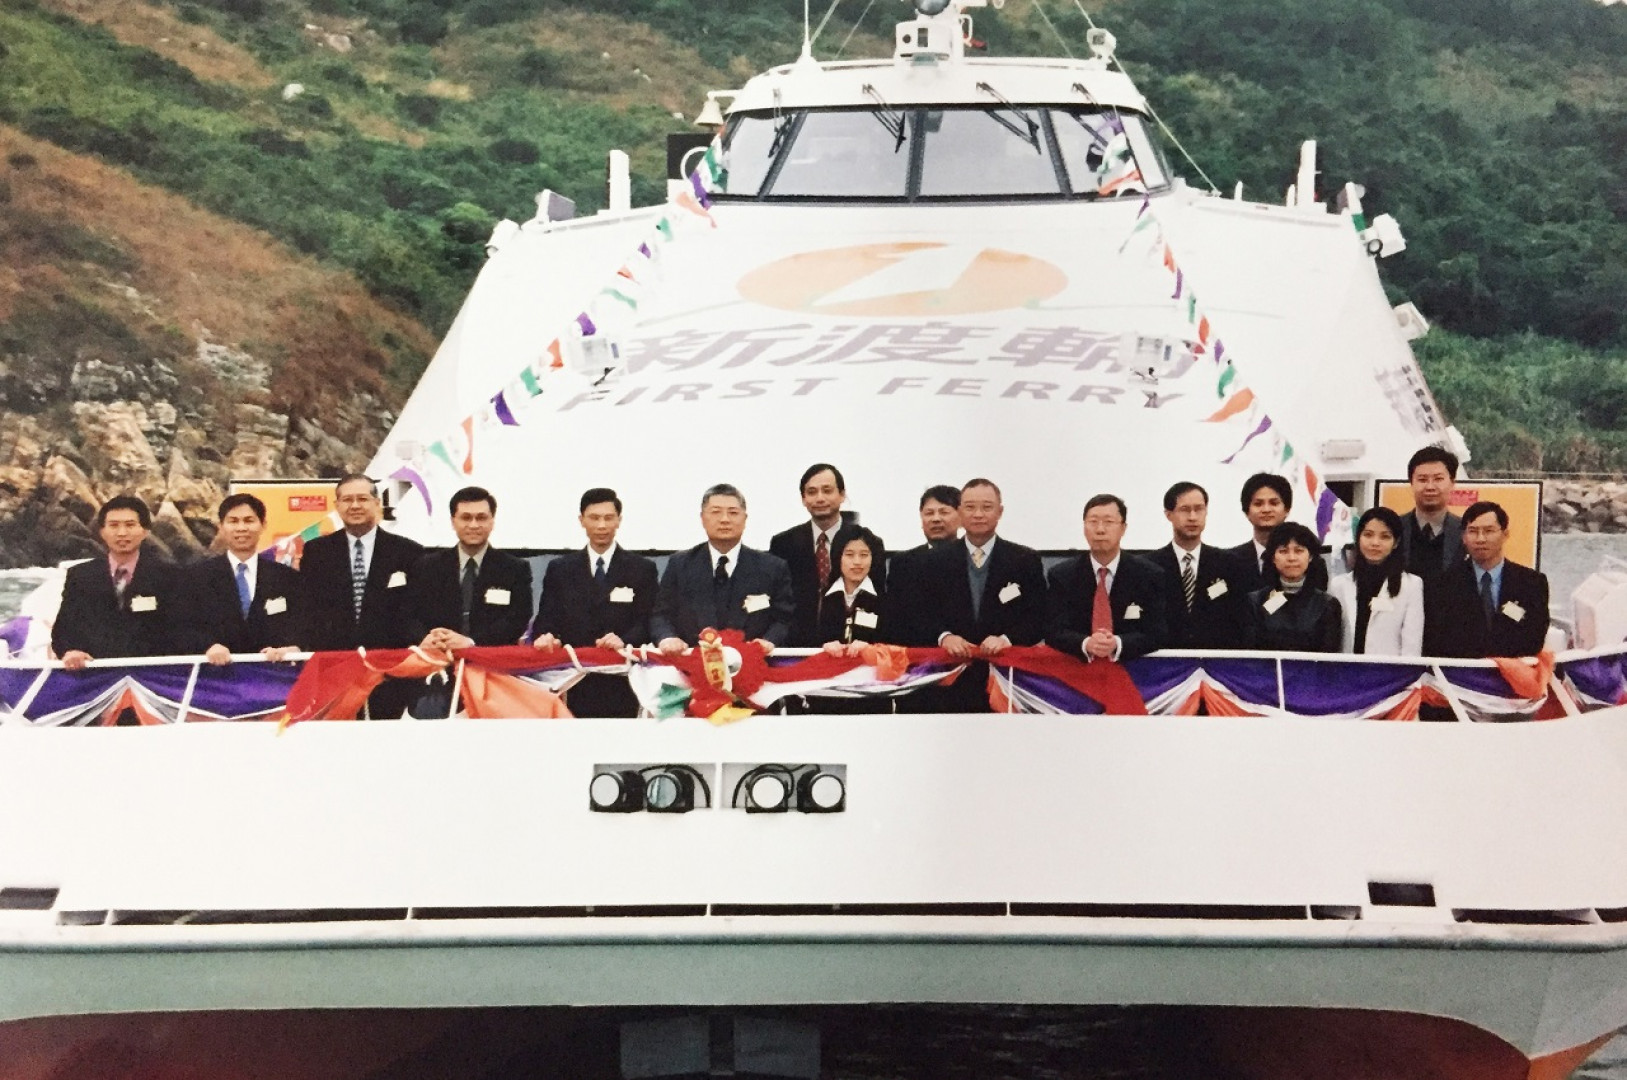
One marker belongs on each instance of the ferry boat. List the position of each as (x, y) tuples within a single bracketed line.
[(925, 267)]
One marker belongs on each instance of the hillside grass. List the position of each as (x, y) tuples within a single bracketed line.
[(94, 263), (1495, 132)]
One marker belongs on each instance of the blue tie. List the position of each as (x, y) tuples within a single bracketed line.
[(598, 572), (1487, 601), (245, 598)]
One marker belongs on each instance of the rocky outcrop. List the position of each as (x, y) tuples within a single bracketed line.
[(1595, 506), (177, 453)]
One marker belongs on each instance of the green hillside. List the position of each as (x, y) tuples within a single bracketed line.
[(1496, 132)]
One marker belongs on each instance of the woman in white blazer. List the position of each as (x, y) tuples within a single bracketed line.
[(1383, 605)]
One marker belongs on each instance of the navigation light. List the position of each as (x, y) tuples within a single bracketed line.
[(820, 792), (616, 792)]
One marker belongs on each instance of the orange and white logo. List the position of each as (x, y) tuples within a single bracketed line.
[(919, 278)]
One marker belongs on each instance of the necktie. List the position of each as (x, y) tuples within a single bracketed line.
[(1487, 601), (1101, 608), (358, 578), (470, 571), (1429, 532), (245, 598), (121, 578), (977, 558), (720, 590), (598, 572), (1189, 580), (822, 559)]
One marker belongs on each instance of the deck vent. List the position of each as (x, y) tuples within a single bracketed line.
[(1400, 894), (1510, 917), (976, 909), (601, 911), (14, 899), (81, 918), (256, 917), (1252, 912)]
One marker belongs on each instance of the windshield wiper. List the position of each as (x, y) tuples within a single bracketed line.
[(782, 127), (1030, 136), (890, 118)]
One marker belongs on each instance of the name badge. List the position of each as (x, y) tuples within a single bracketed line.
[(497, 596), (1273, 602), (755, 602), (276, 605), (1011, 591), (1133, 611), (1514, 611), (397, 579), (1381, 602), (1217, 589), (865, 618), (621, 594), (144, 603)]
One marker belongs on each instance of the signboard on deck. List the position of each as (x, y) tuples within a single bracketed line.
[(1521, 498), (296, 511)]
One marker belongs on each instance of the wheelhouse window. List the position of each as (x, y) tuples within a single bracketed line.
[(863, 154), (1001, 151), (993, 151)]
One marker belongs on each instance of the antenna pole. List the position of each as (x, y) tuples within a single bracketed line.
[(807, 37)]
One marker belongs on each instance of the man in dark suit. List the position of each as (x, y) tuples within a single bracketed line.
[(982, 595), (722, 583), (1431, 536), (1106, 605), (1204, 604), (1267, 498), (355, 580), (471, 594), (239, 602), (122, 605), (813, 548), (603, 596), (1486, 605), (355, 587), (940, 524)]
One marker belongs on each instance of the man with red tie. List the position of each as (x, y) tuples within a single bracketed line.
[(1106, 605), (813, 549), (121, 605)]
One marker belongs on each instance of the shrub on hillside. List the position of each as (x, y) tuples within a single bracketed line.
[(422, 24), (496, 12), (421, 109), (514, 152)]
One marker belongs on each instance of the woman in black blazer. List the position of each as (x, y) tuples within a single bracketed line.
[(850, 612), (1289, 614)]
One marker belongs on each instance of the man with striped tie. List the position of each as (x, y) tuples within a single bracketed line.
[(355, 586), (238, 602), (1205, 603)]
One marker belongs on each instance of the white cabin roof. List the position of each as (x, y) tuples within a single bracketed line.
[(915, 334)]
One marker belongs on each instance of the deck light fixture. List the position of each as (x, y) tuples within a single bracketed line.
[(767, 789), (670, 789), (820, 792), (616, 792)]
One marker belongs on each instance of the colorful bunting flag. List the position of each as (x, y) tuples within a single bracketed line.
[(1265, 425), (1239, 402), (419, 484), (499, 405)]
